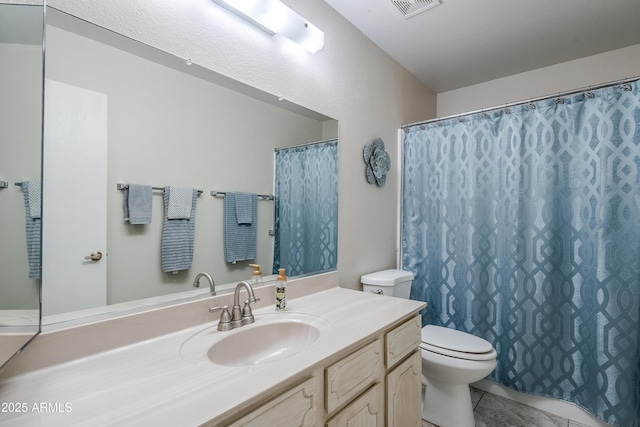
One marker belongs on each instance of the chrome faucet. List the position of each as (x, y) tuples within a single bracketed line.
[(196, 282), (238, 316)]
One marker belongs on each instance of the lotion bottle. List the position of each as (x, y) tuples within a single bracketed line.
[(256, 276), (281, 291)]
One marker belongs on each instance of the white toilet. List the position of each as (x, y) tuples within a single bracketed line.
[(451, 359)]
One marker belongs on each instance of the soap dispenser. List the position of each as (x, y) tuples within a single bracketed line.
[(256, 276), (281, 290)]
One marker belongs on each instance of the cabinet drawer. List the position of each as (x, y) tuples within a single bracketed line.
[(298, 406), (403, 340), (367, 410), (352, 375)]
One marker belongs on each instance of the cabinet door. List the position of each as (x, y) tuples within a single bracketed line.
[(352, 375), (365, 411), (299, 406), (404, 393), (403, 340)]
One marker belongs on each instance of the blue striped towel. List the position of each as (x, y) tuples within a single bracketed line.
[(33, 225), (239, 238), (177, 236)]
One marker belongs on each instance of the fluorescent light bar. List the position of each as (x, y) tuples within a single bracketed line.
[(274, 17)]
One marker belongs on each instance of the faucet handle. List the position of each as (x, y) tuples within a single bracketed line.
[(247, 314), (254, 299), (225, 317)]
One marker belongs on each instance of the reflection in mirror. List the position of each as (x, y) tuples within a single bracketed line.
[(151, 119), (21, 28)]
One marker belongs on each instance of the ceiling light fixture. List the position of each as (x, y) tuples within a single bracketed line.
[(274, 17)]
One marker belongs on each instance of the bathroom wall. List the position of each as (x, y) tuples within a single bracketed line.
[(20, 118), (351, 79), (188, 147), (592, 70)]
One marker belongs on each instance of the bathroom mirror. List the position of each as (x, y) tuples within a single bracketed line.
[(21, 74), (153, 119)]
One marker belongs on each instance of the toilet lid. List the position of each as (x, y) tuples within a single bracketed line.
[(451, 342)]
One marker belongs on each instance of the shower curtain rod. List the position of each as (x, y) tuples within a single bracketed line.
[(305, 144), (528, 101)]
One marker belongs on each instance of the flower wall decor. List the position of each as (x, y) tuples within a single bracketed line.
[(377, 161)]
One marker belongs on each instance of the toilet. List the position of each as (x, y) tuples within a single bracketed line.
[(451, 359)]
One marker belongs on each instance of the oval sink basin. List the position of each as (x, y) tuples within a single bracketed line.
[(263, 343), (273, 336)]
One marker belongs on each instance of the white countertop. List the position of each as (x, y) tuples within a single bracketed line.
[(151, 383)]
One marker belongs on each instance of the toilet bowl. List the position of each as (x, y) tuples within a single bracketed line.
[(451, 359)]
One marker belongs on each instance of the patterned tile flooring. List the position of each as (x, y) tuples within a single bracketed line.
[(495, 411)]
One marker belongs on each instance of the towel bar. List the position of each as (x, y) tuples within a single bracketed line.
[(215, 193), (123, 186)]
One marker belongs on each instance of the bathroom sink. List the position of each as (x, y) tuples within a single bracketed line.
[(273, 336)]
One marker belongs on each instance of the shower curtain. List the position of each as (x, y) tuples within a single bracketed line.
[(306, 208), (522, 226)]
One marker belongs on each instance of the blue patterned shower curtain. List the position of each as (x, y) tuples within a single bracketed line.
[(522, 226), (306, 209)]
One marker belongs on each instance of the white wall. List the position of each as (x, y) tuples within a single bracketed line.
[(351, 79), (580, 73)]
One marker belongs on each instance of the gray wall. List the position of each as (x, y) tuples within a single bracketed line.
[(20, 138), (169, 128)]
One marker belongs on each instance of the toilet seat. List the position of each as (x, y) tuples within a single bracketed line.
[(453, 343)]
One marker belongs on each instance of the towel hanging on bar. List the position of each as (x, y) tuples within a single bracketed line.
[(137, 203)]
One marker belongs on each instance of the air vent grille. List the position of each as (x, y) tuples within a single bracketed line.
[(410, 8)]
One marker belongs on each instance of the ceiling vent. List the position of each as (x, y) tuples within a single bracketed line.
[(410, 8)]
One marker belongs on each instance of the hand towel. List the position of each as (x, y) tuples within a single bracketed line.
[(33, 190), (179, 202), (177, 236), (244, 207), (32, 205), (138, 203), (239, 239)]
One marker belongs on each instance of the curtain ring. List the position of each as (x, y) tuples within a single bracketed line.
[(626, 87), (589, 94), (559, 100), (531, 106), (506, 110)]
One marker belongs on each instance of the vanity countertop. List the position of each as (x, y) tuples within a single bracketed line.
[(151, 383)]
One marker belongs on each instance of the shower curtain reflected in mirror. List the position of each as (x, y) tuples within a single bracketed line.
[(522, 226), (306, 208)]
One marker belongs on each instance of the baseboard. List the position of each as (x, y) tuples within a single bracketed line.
[(553, 406)]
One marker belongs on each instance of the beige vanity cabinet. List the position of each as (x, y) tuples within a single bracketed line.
[(404, 393), (387, 369), (300, 406), (376, 384), (404, 378)]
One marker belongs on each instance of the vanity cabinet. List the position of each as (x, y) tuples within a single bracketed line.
[(404, 378), (299, 406), (352, 375), (375, 384), (366, 410), (394, 365), (404, 393)]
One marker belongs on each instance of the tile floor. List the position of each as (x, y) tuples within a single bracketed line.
[(495, 411)]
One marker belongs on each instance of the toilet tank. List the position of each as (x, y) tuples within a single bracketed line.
[(396, 283)]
